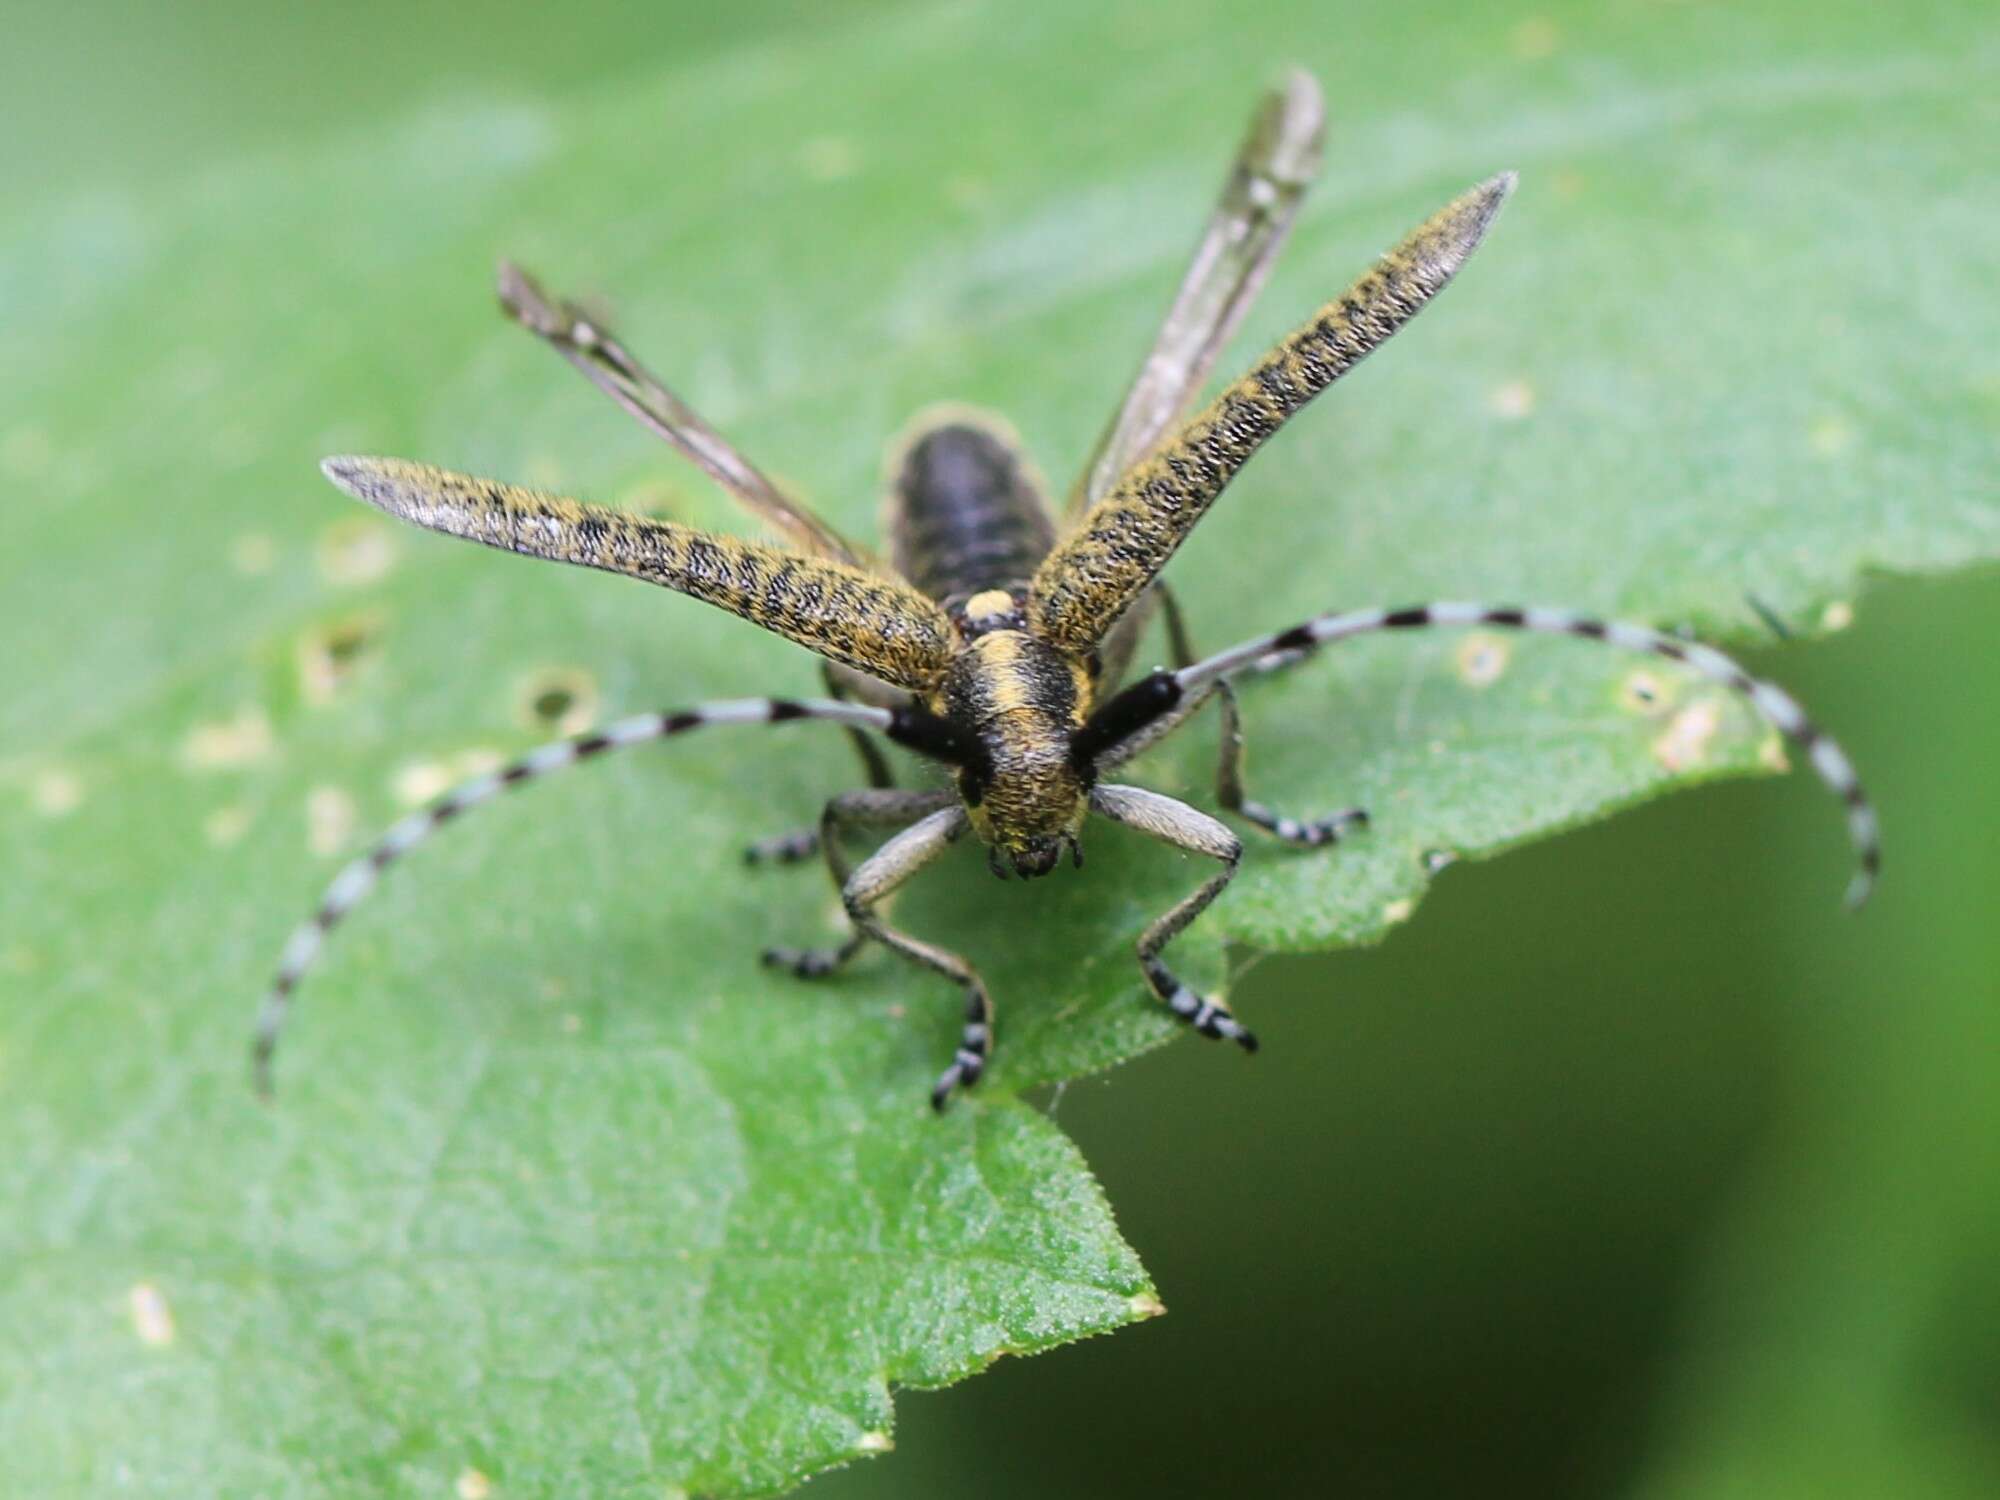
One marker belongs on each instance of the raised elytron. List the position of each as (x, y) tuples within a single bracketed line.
[(993, 638)]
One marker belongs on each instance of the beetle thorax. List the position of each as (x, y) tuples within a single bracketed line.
[(1022, 701)]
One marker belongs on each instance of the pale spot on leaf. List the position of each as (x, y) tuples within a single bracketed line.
[(480, 760), (1399, 910), (1837, 615), (420, 781), (1830, 437), (873, 1442), (57, 792), (1146, 1305), (152, 1319), (1684, 743), (226, 824), (356, 551), (228, 744), (1481, 659), (472, 1485), (1512, 400), (329, 820)]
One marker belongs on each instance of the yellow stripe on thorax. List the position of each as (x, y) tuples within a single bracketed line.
[(1007, 685)]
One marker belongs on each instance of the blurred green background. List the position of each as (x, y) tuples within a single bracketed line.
[(1692, 1189)]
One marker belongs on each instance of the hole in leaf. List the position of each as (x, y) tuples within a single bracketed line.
[(1481, 659), (1643, 692), (329, 656), (562, 699), (356, 551)]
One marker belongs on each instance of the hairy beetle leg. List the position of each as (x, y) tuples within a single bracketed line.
[(1311, 833), (1211, 1019), (1315, 833)]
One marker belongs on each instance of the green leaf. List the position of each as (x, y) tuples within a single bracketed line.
[(560, 1188)]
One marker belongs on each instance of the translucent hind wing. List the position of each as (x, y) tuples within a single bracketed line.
[(873, 624), (613, 370), (1267, 182)]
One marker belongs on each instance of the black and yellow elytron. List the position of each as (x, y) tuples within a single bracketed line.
[(994, 636)]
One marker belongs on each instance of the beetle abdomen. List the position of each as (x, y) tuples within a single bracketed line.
[(964, 515)]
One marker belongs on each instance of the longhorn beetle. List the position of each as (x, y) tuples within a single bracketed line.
[(994, 637)]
